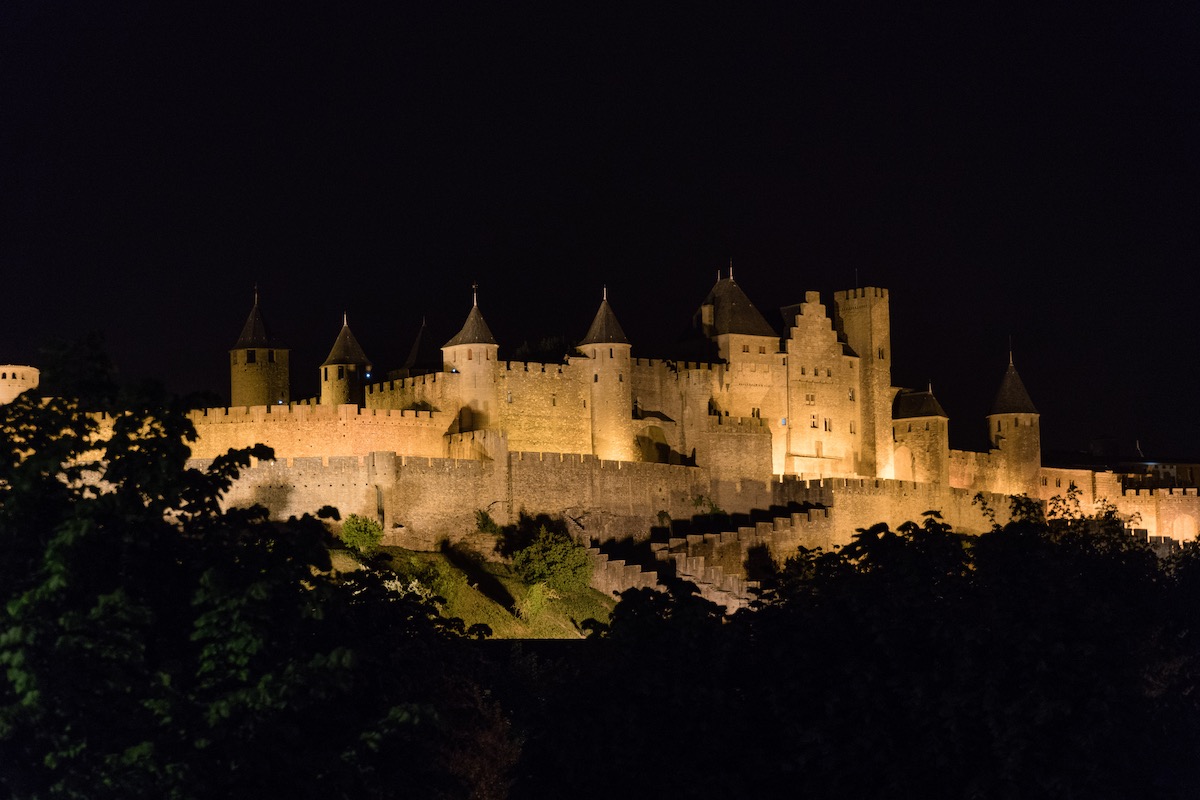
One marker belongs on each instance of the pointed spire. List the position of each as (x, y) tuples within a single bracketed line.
[(1012, 397), (346, 349), (731, 268), (424, 355), (475, 330), (605, 329), (254, 332)]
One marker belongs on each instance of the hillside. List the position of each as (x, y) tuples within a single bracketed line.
[(489, 592)]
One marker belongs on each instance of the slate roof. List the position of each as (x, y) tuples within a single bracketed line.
[(424, 355), (1012, 398), (474, 331), (605, 328), (346, 350), (254, 332), (734, 313), (910, 403)]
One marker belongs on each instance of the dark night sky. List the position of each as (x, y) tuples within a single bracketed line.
[(1004, 171)]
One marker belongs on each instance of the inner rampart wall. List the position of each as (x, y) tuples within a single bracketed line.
[(315, 431), (1174, 513)]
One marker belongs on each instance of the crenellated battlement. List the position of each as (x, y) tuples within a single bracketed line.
[(304, 412), (533, 366), (864, 293), (737, 424), (1167, 492)]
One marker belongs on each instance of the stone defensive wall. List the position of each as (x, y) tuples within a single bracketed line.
[(422, 500), (545, 406), (862, 502), (736, 446), (16, 378), (608, 499), (970, 468), (296, 486), (1173, 513), (313, 431)]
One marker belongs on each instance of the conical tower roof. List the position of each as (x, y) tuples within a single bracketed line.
[(734, 313), (424, 355), (1012, 397), (474, 330), (254, 332), (911, 403), (605, 328), (346, 350)]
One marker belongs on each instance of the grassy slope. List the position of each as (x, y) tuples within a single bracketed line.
[(487, 592)]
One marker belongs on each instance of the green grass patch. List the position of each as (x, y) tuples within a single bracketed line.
[(489, 592)]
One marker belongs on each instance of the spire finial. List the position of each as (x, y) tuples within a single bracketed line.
[(345, 319), (604, 291), (1010, 361), (931, 387), (475, 293), (256, 293), (731, 268)]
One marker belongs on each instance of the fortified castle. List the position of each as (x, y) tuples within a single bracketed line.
[(802, 438)]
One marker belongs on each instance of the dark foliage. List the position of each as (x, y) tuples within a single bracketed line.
[(154, 644), (1046, 658)]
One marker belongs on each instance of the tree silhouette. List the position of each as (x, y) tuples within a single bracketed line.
[(156, 644)]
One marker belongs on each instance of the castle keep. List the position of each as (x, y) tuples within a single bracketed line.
[(802, 432)]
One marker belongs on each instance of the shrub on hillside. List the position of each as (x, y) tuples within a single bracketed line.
[(555, 559), (361, 533)]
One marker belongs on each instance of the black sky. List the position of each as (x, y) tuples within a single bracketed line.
[(1003, 170)]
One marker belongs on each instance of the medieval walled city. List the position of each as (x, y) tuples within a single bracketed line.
[(799, 439)]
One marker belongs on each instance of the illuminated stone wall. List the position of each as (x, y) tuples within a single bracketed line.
[(922, 451), (315, 431), (16, 378), (259, 376)]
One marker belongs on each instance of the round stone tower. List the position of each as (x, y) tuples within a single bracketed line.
[(608, 373), (15, 379), (472, 356), (345, 373), (258, 366), (1013, 430)]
